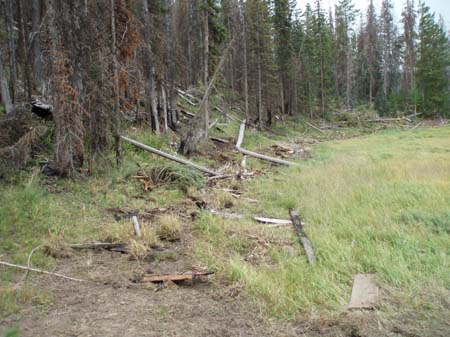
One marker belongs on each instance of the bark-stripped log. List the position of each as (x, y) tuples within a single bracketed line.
[(257, 155), (170, 157), (306, 243)]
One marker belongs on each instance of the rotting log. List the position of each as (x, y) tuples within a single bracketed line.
[(257, 155), (173, 277), (306, 243), (170, 157)]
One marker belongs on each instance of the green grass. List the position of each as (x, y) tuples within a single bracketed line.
[(378, 204)]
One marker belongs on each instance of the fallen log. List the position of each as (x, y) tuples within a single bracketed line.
[(169, 156), (314, 127), (278, 222), (113, 247), (219, 140), (257, 155), (40, 271), (266, 158), (226, 215), (173, 277), (306, 243)]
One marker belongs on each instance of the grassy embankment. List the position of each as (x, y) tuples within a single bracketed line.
[(376, 204)]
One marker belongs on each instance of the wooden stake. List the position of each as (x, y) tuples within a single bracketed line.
[(136, 226), (302, 236)]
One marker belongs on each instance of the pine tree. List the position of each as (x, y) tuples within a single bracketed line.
[(282, 20), (409, 57), (345, 15), (433, 65), (390, 56)]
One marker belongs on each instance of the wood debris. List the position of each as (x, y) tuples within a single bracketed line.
[(154, 278), (364, 292), (278, 222), (257, 155), (306, 243)]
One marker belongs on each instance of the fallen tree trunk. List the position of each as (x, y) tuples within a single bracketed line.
[(257, 155), (97, 245), (170, 157), (306, 243), (313, 126)]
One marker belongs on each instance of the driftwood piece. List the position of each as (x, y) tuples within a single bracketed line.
[(226, 215), (40, 271), (173, 277), (170, 157), (257, 155), (136, 226), (364, 292), (306, 243), (278, 222)]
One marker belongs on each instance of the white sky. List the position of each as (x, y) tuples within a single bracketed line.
[(441, 7)]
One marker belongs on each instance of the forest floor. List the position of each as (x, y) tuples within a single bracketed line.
[(372, 203)]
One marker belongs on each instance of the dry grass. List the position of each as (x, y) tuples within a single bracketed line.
[(123, 232), (168, 227)]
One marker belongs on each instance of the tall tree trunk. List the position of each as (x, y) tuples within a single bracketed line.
[(154, 102), (12, 48), (118, 143), (38, 64), (170, 65), (244, 39), (206, 67), (25, 50), (259, 65), (164, 106), (6, 98)]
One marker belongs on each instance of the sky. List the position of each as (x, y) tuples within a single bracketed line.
[(441, 7)]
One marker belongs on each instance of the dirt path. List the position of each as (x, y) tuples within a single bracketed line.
[(111, 305)]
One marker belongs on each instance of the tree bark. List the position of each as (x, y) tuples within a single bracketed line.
[(118, 143), (6, 98), (12, 48), (244, 40), (25, 52), (206, 69), (38, 64)]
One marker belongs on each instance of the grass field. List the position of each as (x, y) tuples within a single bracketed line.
[(374, 204), (378, 204)]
